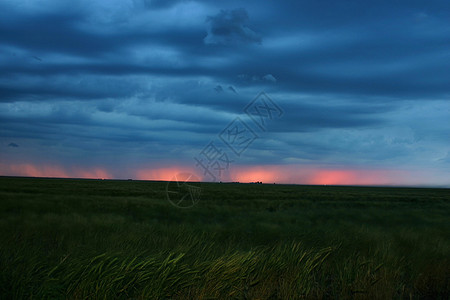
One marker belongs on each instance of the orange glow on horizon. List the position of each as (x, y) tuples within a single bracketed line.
[(254, 174), (165, 174), (315, 175), (347, 177), (289, 174)]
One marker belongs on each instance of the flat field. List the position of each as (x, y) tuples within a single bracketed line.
[(105, 239)]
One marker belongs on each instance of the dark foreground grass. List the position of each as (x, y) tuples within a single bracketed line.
[(89, 239)]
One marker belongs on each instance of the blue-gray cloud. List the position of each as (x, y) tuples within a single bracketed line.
[(230, 27), (361, 83)]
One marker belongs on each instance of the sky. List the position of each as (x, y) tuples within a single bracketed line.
[(306, 92)]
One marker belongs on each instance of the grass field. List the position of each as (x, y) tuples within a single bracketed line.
[(94, 239)]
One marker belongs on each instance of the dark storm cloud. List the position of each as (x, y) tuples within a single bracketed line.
[(62, 34), (158, 4), (363, 82), (230, 27), (65, 32), (67, 90), (360, 64), (322, 14), (53, 33), (307, 117)]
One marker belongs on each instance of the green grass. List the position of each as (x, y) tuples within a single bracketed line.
[(93, 239)]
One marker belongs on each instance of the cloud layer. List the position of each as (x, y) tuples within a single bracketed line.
[(230, 27), (126, 88)]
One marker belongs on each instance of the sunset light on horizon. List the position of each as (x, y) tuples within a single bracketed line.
[(279, 174)]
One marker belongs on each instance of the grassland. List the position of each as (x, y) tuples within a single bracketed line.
[(93, 239)]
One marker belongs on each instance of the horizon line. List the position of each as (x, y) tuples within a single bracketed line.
[(234, 182)]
